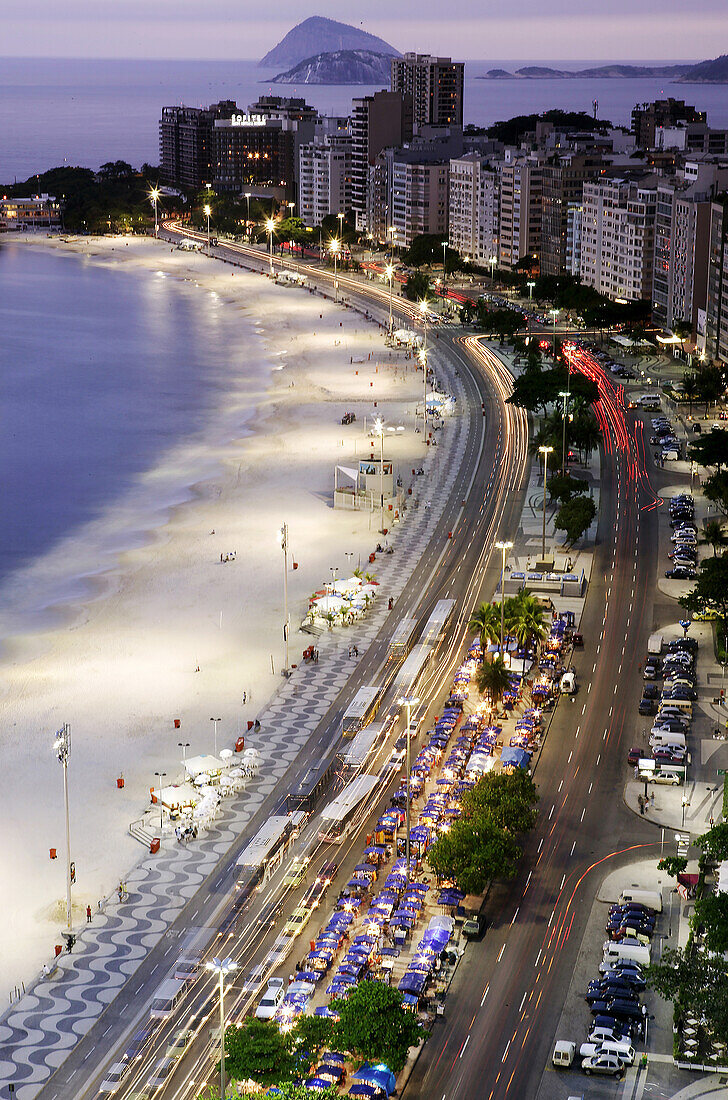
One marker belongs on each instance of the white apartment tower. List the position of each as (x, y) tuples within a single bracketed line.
[(474, 208), (324, 183), (520, 210), (618, 237)]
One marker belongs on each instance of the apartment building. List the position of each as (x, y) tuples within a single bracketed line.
[(563, 179), (435, 85), (617, 238), (648, 117), (186, 148), (474, 207), (521, 180), (716, 315), (38, 212), (324, 178), (377, 122), (418, 202), (255, 153)]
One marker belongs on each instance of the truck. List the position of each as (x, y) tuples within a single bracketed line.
[(654, 644)]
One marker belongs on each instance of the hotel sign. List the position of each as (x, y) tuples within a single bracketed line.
[(248, 120)]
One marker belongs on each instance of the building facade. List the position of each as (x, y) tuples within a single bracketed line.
[(378, 121), (648, 117), (324, 179), (562, 183), (419, 192), (254, 152), (521, 181), (39, 212), (716, 319), (186, 147), (435, 85), (617, 241), (682, 240), (474, 208)]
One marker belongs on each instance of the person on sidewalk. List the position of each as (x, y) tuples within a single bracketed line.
[(88, 914)]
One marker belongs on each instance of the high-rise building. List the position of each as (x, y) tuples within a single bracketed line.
[(520, 210), (562, 183), (186, 148), (419, 196), (324, 179), (574, 217), (377, 121), (617, 242), (716, 324), (436, 86), (647, 117), (474, 208), (253, 152)]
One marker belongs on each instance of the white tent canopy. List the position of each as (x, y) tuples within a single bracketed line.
[(196, 765)]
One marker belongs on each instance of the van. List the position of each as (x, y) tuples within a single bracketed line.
[(563, 1055), (649, 400), (667, 740), (669, 454), (685, 706), (651, 899), (654, 644), (636, 952), (166, 999)]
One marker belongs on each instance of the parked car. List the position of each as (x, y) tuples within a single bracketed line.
[(607, 1064), (681, 573)]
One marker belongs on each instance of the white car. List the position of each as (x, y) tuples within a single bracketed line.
[(113, 1079), (270, 1000), (607, 1064)]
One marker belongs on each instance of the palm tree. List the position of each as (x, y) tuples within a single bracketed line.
[(714, 535), (493, 679), (486, 620), (690, 388), (526, 620), (586, 434)]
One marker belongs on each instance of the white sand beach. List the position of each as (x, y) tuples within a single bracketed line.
[(120, 666)]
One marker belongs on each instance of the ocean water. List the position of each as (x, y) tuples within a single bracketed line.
[(86, 112), (117, 388)]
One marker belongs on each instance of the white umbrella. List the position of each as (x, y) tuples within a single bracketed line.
[(201, 780), (236, 773), (368, 590), (353, 584), (327, 604), (250, 752), (225, 754)]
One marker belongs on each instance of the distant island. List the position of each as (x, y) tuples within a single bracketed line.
[(339, 67), (318, 35), (706, 72)]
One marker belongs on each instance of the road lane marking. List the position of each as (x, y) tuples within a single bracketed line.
[(540, 845), (582, 814), (568, 762), (462, 1051), (505, 1052), (551, 814), (560, 786), (522, 1002), (583, 709), (500, 953), (598, 759), (572, 848), (538, 959), (562, 883), (485, 994), (515, 915)]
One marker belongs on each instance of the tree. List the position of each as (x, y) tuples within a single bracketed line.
[(312, 1033), (585, 433), (683, 330), (493, 679), (710, 591), (695, 981), (374, 1024), (714, 535), (711, 449), (711, 912), (294, 1090), (474, 854), (715, 843), (486, 620), (417, 286), (525, 622), (258, 1051), (575, 517), (690, 387), (716, 490), (563, 488), (507, 800), (710, 385), (674, 865)]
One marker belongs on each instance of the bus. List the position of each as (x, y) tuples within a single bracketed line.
[(264, 853), (344, 812), (410, 672), (437, 622), (401, 641), (357, 752), (312, 785), (361, 710)]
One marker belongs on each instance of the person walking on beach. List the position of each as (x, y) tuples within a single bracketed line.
[(245, 697), (88, 914)]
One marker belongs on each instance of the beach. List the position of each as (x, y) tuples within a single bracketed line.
[(163, 629)]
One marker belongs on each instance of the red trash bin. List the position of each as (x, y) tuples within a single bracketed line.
[(154, 846), (59, 949), (177, 723), (240, 743), (120, 782), (54, 854)]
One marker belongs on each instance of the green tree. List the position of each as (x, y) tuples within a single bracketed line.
[(585, 433), (683, 330), (485, 619), (374, 1024), (711, 913), (690, 387), (710, 385), (507, 800), (674, 865), (563, 488), (474, 854), (312, 1032), (716, 490), (710, 591), (695, 981), (493, 679), (575, 518), (711, 449), (417, 286), (258, 1051), (525, 620), (714, 535), (293, 1090), (715, 843)]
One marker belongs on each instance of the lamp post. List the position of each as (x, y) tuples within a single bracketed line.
[(422, 356), (554, 313), (334, 247), (291, 206), (184, 745), (207, 212), (222, 967), (379, 430), (160, 776), (444, 260), (247, 220), (341, 226), (564, 395), (408, 701), (389, 272), (62, 746), (214, 723), (270, 226), (504, 547), (685, 804), (530, 286), (545, 451), (154, 196), (286, 621), (492, 261)]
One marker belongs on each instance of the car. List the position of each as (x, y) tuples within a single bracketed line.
[(622, 1028), (162, 1070), (138, 1041), (297, 921), (681, 573), (296, 873), (613, 1034), (605, 1064), (178, 1043), (650, 691), (622, 1050), (669, 756), (646, 706), (705, 616), (652, 671), (271, 1000), (635, 979), (114, 1076), (474, 926), (634, 755), (667, 777), (641, 933), (619, 912), (187, 968)]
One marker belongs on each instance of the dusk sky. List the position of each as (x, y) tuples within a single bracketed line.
[(523, 29)]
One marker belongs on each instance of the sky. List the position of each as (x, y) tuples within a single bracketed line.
[(465, 29)]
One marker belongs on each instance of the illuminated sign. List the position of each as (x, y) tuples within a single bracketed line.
[(248, 120)]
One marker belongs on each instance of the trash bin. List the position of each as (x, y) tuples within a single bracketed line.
[(177, 723), (154, 846), (54, 854), (120, 782), (240, 743), (59, 949)]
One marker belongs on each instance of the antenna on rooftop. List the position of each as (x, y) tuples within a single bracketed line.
[(595, 105)]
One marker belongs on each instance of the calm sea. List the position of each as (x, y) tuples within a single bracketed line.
[(117, 387), (84, 112)]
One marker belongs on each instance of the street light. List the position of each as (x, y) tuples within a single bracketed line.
[(247, 220), (492, 261), (222, 967), (286, 620), (554, 313), (379, 430), (504, 547), (270, 226), (214, 722), (62, 746), (389, 272), (154, 196), (334, 247), (444, 254), (160, 776), (207, 211), (685, 804), (422, 357), (545, 451), (564, 394), (408, 701), (341, 225), (184, 745), (530, 286)]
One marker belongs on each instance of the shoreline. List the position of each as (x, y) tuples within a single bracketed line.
[(123, 667)]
